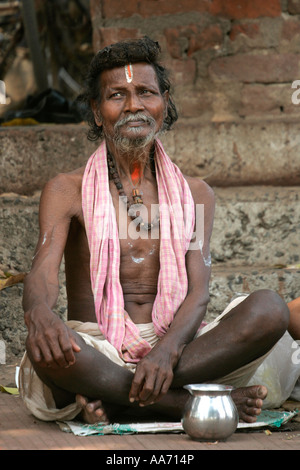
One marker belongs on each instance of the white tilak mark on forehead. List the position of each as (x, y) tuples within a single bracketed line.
[(128, 73)]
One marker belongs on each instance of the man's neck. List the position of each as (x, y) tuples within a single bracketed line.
[(135, 164)]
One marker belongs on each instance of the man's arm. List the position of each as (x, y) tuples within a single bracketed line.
[(154, 373), (48, 338)]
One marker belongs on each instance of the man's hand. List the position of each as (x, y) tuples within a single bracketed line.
[(153, 377), (49, 340)]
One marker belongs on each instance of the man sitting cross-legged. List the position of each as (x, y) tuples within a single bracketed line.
[(137, 270)]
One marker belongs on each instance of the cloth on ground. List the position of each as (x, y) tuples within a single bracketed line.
[(177, 219), (273, 419)]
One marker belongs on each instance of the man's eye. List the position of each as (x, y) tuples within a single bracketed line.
[(146, 92), (116, 95)]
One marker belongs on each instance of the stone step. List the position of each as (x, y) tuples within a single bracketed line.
[(226, 283), (257, 225), (229, 281), (224, 154), (253, 226), (18, 230), (256, 229)]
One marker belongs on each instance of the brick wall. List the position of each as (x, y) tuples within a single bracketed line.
[(231, 60)]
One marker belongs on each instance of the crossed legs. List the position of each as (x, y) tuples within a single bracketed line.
[(246, 333)]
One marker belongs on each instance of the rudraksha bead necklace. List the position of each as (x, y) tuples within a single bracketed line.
[(132, 208)]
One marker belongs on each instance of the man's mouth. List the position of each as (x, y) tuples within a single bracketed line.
[(135, 121)]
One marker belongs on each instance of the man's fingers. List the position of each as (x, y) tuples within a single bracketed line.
[(55, 350), (163, 390), (146, 393), (67, 346), (40, 350), (150, 383), (154, 391), (47, 359), (136, 385), (75, 346), (36, 353)]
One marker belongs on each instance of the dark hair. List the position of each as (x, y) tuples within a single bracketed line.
[(117, 55)]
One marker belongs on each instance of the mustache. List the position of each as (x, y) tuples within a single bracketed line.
[(135, 117)]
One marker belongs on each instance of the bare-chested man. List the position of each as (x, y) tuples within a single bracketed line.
[(73, 368)]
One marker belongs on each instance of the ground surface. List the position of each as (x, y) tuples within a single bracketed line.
[(21, 431)]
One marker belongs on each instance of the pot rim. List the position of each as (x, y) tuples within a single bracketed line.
[(209, 388)]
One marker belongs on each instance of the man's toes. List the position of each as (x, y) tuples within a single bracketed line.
[(257, 391), (101, 415), (254, 403), (81, 400)]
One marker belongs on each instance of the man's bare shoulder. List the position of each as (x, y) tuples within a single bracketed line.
[(202, 193), (65, 182), (64, 192)]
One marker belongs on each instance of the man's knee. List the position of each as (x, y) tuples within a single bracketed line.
[(270, 310)]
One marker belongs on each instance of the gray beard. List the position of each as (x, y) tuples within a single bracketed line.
[(135, 142)]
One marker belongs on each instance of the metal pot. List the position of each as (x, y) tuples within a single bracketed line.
[(210, 413)]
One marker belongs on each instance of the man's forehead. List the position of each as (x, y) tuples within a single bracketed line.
[(139, 71)]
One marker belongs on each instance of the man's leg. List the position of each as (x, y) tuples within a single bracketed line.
[(101, 387), (244, 334), (92, 375), (247, 332)]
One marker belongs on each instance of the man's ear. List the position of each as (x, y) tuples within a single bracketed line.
[(95, 109)]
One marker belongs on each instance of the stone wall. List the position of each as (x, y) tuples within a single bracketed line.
[(230, 60)]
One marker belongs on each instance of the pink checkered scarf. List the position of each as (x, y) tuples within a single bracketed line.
[(177, 217)]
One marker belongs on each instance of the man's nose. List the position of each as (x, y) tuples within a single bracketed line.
[(133, 103)]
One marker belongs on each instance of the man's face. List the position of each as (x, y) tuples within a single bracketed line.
[(130, 110)]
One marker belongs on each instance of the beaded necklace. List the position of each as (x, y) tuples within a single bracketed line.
[(132, 207)]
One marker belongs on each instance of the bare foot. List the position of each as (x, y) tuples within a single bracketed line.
[(92, 411), (249, 401)]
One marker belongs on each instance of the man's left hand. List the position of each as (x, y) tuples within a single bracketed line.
[(152, 378)]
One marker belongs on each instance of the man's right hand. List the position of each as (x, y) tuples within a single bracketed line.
[(49, 340)]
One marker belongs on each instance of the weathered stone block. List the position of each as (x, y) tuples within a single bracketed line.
[(256, 226), (103, 37), (121, 9), (233, 9), (260, 99), (244, 153), (236, 9), (30, 156), (224, 154), (260, 68), (227, 283)]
